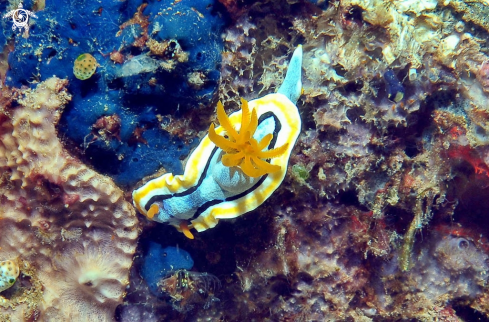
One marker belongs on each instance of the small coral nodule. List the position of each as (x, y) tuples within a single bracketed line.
[(240, 148), (84, 66), (9, 271)]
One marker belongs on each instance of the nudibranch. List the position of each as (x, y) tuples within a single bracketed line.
[(235, 167)]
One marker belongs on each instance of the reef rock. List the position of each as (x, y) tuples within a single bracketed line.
[(69, 228)]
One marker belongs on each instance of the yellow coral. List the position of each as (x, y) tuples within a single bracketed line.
[(240, 148)]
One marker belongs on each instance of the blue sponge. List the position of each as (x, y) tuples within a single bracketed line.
[(159, 262), (67, 28)]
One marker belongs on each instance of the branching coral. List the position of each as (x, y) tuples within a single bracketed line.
[(240, 148)]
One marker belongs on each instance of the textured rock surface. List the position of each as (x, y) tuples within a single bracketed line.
[(68, 226), (382, 190), (384, 211)]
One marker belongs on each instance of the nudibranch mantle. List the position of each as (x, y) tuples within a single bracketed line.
[(208, 190)]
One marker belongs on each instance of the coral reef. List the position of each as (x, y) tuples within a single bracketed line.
[(383, 212), (145, 53), (69, 227)]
